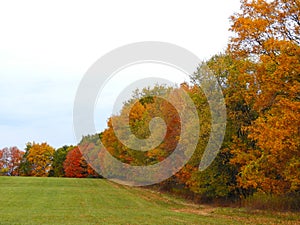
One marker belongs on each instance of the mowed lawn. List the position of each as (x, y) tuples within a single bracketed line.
[(30, 200)]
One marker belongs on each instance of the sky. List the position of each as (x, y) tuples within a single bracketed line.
[(46, 47)]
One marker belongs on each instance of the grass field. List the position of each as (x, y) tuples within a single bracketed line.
[(28, 200)]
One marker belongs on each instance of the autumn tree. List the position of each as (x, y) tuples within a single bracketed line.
[(128, 135), (25, 167), (4, 161), (38, 159), (76, 166), (90, 147), (15, 160), (137, 113), (267, 36), (59, 157), (10, 159), (218, 179), (1, 162)]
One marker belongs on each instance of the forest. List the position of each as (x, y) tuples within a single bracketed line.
[(259, 74)]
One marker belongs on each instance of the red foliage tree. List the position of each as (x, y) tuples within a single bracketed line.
[(76, 166), (10, 159), (15, 160)]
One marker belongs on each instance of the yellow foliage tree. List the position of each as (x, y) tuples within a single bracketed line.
[(40, 158)]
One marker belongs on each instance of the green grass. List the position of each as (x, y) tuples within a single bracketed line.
[(29, 200)]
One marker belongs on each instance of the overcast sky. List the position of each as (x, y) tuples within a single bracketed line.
[(47, 46)]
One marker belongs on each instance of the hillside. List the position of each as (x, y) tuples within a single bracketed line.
[(30, 200)]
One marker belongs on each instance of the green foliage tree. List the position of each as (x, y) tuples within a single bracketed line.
[(25, 166), (59, 157), (218, 180)]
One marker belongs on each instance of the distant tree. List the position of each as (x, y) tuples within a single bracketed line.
[(37, 160), (16, 157), (25, 168), (90, 147), (59, 157), (76, 166), (10, 159)]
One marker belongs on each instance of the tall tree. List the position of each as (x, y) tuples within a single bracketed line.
[(267, 33)]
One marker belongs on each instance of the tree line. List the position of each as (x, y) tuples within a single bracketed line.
[(42, 160), (259, 75)]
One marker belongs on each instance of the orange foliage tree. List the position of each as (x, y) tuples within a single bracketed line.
[(39, 158), (143, 107), (268, 37)]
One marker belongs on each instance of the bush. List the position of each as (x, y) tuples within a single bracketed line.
[(287, 202)]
